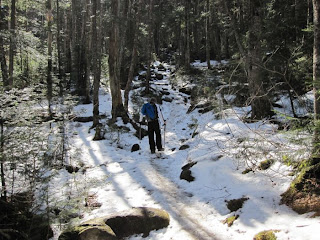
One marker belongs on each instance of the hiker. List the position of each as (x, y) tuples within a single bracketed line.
[(151, 110)]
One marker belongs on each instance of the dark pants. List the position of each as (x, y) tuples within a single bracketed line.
[(154, 128)]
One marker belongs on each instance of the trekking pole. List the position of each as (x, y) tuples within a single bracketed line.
[(164, 128), (164, 135)]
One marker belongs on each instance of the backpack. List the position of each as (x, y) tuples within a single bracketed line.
[(150, 111)]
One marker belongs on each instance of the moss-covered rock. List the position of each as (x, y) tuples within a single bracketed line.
[(138, 220), (266, 235), (230, 220), (303, 194), (120, 225), (264, 165)]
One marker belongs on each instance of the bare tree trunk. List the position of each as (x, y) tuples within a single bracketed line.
[(187, 35), (133, 58), (49, 67), (149, 47), (260, 104), (75, 44), (196, 29), (207, 34), (114, 62), (96, 59), (316, 75), (87, 56), (12, 42), (61, 75), (3, 180), (4, 67)]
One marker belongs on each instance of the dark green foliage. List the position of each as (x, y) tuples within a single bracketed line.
[(18, 222)]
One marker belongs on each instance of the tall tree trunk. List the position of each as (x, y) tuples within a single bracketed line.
[(149, 45), (3, 179), (196, 29), (12, 42), (187, 35), (75, 45), (49, 67), (114, 62), (316, 75), (4, 67), (207, 34), (134, 56), (61, 61), (96, 58), (260, 104), (86, 41)]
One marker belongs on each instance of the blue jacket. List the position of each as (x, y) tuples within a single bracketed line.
[(150, 111)]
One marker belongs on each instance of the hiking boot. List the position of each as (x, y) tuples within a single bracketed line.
[(161, 149), (153, 151)]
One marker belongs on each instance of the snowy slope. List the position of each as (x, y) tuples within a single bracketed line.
[(121, 179)]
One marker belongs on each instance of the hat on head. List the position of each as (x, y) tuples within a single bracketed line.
[(152, 100)]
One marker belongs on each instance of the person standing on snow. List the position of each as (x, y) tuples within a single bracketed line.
[(151, 110)]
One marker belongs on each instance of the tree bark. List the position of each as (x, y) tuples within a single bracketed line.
[(114, 62), (61, 75), (4, 67), (187, 35), (49, 66), (12, 42), (86, 40), (134, 57), (75, 48), (3, 179), (96, 59), (316, 75), (149, 45), (260, 103), (208, 12)]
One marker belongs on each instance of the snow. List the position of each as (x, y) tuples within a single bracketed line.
[(122, 179)]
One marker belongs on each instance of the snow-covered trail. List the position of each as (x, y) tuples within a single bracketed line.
[(121, 179)]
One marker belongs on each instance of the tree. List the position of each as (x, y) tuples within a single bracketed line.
[(260, 103), (207, 34), (76, 45), (149, 45), (96, 59), (4, 67), (49, 67), (316, 74), (187, 59), (114, 61), (134, 55), (252, 57), (12, 42), (3, 194)]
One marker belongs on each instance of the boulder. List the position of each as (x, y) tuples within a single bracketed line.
[(72, 169), (186, 173), (135, 147), (159, 76), (184, 147), (119, 225), (137, 221)]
